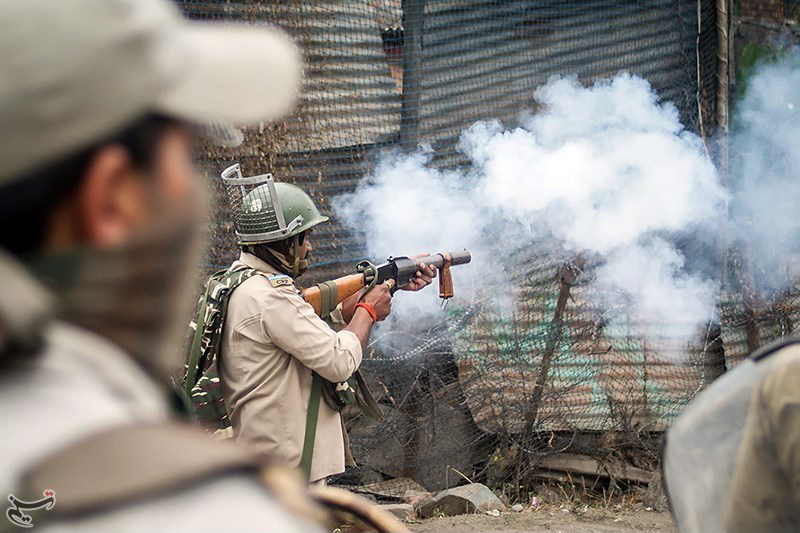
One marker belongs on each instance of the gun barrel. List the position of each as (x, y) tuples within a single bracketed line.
[(405, 267), (461, 257)]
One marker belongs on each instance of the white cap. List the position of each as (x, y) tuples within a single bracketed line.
[(75, 71)]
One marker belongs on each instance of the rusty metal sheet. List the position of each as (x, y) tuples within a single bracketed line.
[(348, 97)]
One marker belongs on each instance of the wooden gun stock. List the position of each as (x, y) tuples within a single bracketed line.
[(340, 289)]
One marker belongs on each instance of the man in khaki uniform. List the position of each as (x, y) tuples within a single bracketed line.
[(98, 220), (765, 491), (272, 340)]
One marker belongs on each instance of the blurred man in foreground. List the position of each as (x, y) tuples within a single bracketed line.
[(731, 459), (99, 227), (765, 489)]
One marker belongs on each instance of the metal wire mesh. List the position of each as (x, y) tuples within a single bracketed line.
[(486, 395), (252, 206), (257, 214)]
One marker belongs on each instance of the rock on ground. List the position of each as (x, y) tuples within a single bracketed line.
[(417, 498), (401, 510), (466, 499)]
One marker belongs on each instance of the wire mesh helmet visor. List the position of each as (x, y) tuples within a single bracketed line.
[(256, 208)]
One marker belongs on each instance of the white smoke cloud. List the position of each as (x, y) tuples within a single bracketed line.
[(605, 171), (765, 170)]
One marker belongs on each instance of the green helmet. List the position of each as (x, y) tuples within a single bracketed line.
[(259, 219)]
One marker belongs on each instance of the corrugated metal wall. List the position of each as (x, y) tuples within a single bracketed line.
[(484, 60), (602, 372)]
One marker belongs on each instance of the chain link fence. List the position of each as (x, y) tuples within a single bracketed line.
[(769, 10), (486, 395)]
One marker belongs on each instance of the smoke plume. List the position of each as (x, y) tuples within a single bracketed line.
[(605, 171), (765, 171)]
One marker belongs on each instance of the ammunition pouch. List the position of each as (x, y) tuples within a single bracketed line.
[(354, 390), (350, 392)]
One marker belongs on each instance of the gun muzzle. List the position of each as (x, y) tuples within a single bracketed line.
[(406, 268)]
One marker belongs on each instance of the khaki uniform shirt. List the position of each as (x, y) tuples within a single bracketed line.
[(271, 342), (765, 492), (80, 384)]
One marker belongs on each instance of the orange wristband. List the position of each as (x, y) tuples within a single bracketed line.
[(368, 308)]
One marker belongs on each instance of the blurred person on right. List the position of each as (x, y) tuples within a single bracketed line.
[(765, 490), (100, 233), (731, 460)]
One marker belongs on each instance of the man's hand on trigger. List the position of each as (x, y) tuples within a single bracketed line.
[(422, 278), (379, 298)]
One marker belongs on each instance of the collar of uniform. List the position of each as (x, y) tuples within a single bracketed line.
[(252, 261)]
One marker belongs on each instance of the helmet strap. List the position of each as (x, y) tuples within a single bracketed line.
[(288, 262), (296, 254)]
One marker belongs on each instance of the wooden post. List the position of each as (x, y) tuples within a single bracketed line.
[(413, 28), (568, 274)]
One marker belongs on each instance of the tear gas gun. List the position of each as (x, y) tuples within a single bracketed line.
[(398, 271)]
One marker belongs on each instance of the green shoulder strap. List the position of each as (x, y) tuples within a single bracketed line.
[(329, 294), (195, 352), (311, 425)]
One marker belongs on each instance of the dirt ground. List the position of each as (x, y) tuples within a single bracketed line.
[(555, 517)]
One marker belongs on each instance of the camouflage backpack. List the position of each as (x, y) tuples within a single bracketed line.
[(201, 384)]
